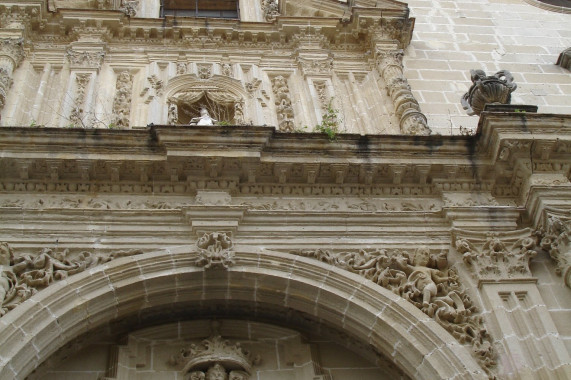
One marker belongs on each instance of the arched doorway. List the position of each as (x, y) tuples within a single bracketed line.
[(158, 288)]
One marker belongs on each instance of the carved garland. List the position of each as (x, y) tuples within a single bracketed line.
[(122, 102), (23, 276), (425, 281)]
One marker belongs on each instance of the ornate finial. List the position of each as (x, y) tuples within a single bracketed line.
[(494, 89)]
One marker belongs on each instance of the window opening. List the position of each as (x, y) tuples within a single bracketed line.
[(200, 8)]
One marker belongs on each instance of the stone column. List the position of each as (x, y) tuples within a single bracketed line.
[(499, 263), (11, 55), (390, 67)]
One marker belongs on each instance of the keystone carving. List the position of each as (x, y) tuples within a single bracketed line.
[(22, 276), (494, 89), (215, 358), (497, 256), (215, 249), (407, 109), (424, 280), (556, 241)]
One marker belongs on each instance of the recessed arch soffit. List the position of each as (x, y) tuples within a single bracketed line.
[(304, 281), (222, 86)]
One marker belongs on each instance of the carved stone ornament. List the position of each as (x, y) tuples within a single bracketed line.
[(283, 104), (5, 84), (14, 49), (85, 59), (215, 250), (555, 239), (424, 280), (215, 358), (129, 7), (22, 276), (497, 256), (494, 89), (315, 66), (122, 101), (270, 9)]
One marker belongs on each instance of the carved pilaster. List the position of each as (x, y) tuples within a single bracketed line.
[(283, 104), (407, 109), (122, 101), (555, 239)]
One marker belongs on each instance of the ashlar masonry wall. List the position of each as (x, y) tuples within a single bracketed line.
[(452, 37)]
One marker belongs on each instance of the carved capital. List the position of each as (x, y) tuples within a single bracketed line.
[(496, 256), (389, 63), (12, 48), (85, 59)]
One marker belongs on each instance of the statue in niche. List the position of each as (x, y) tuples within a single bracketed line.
[(203, 119), (173, 114)]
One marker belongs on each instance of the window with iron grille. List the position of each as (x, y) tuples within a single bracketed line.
[(200, 8)]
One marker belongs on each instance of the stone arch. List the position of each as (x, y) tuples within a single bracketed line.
[(220, 91), (374, 316)]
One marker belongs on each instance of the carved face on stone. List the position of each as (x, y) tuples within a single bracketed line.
[(216, 372), (5, 254), (422, 257), (196, 375), (238, 375)]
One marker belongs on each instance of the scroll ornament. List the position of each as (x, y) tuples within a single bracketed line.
[(493, 89), (424, 280), (23, 276)]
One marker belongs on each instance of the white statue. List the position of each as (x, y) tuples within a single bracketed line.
[(203, 119)]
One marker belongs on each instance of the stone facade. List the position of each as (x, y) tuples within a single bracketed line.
[(298, 194)]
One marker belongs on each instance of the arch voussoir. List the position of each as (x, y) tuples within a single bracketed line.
[(122, 288)]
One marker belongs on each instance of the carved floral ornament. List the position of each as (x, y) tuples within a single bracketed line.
[(497, 256), (24, 275), (554, 235), (85, 59)]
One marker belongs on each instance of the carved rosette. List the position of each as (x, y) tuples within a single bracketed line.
[(22, 276), (494, 89), (122, 101), (496, 256), (215, 358), (407, 109), (215, 249), (425, 280), (555, 239), (11, 55)]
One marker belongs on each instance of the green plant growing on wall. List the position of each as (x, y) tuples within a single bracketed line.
[(329, 122)]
